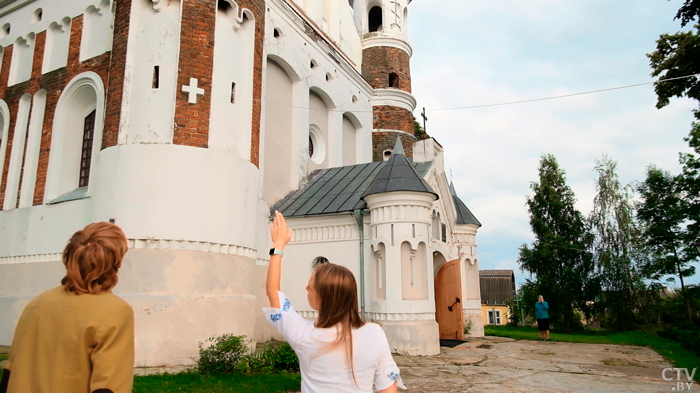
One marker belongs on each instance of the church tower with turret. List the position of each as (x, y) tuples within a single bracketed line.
[(386, 56)]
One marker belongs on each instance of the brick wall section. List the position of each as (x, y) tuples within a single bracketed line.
[(382, 141), (257, 7), (392, 118), (115, 87), (196, 61), (39, 43), (378, 62), (53, 82)]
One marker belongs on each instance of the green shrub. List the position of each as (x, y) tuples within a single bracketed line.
[(685, 333), (223, 355), (229, 354)]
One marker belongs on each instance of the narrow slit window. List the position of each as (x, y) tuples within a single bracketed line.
[(233, 92), (380, 271), (393, 80), (413, 271), (392, 234), (86, 153), (414, 230), (156, 77)]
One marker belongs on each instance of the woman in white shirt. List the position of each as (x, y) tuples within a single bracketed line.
[(338, 352)]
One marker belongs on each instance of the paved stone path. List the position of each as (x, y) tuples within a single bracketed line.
[(536, 366)]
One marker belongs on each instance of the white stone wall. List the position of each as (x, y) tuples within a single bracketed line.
[(23, 25), (154, 41)]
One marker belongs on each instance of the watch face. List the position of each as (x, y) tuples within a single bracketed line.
[(272, 251)]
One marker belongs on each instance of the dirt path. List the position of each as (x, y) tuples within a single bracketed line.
[(536, 366)]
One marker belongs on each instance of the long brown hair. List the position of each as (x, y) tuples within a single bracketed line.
[(337, 290), (92, 258)]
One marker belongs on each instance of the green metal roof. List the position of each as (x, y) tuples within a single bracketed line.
[(335, 190)]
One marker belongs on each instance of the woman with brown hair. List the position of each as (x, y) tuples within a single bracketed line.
[(77, 337), (338, 352)]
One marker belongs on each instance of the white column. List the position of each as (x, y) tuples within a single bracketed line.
[(31, 160), (17, 152), (335, 138), (300, 130)]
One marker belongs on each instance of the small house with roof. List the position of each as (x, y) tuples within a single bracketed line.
[(497, 290), (400, 227)]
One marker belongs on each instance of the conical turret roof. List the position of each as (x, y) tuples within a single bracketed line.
[(398, 175), (464, 215)]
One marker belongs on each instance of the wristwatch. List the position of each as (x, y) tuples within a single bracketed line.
[(274, 251)]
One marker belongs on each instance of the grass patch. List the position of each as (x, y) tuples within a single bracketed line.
[(671, 350), (224, 383), (4, 357)]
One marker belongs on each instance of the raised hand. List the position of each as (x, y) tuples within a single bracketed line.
[(279, 232)]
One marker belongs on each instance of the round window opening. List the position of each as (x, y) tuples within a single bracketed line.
[(317, 149), (318, 261)]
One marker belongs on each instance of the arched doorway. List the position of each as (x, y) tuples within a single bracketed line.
[(448, 298)]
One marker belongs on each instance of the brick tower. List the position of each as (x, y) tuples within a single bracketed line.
[(386, 55)]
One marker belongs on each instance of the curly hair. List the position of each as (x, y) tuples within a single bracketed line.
[(92, 258)]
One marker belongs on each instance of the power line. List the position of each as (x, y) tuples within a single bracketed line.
[(565, 95), (496, 104)]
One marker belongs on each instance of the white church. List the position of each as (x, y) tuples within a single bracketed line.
[(187, 122)]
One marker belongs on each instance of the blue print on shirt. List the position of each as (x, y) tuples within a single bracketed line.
[(275, 317), (286, 305), (393, 376)]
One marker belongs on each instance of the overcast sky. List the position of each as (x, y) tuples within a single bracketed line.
[(475, 52)]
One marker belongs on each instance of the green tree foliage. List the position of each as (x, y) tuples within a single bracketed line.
[(662, 211), (676, 55), (559, 257), (689, 11), (617, 248), (418, 130)]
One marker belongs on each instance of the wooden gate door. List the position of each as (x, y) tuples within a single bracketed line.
[(448, 301)]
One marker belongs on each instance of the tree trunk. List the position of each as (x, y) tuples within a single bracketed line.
[(685, 298)]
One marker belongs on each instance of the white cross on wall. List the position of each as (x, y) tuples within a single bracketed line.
[(193, 90)]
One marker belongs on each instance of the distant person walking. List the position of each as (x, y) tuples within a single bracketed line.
[(77, 337), (542, 316)]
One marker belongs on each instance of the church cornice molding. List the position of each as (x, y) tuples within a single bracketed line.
[(373, 40), (394, 97), (145, 244)]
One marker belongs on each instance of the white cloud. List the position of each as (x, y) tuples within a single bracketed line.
[(482, 52)]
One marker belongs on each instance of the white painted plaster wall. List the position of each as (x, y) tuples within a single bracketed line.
[(179, 298), (31, 157), (349, 142), (234, 50), (336, 20), (178, 192), (277, 159), (57, 45), (21, 19), (154, 40), (22, 59), (98, 29)]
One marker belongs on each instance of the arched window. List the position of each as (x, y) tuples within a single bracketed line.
[(374, 19), (318, 261), (97, 30), (394, 80), (76, 138)]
